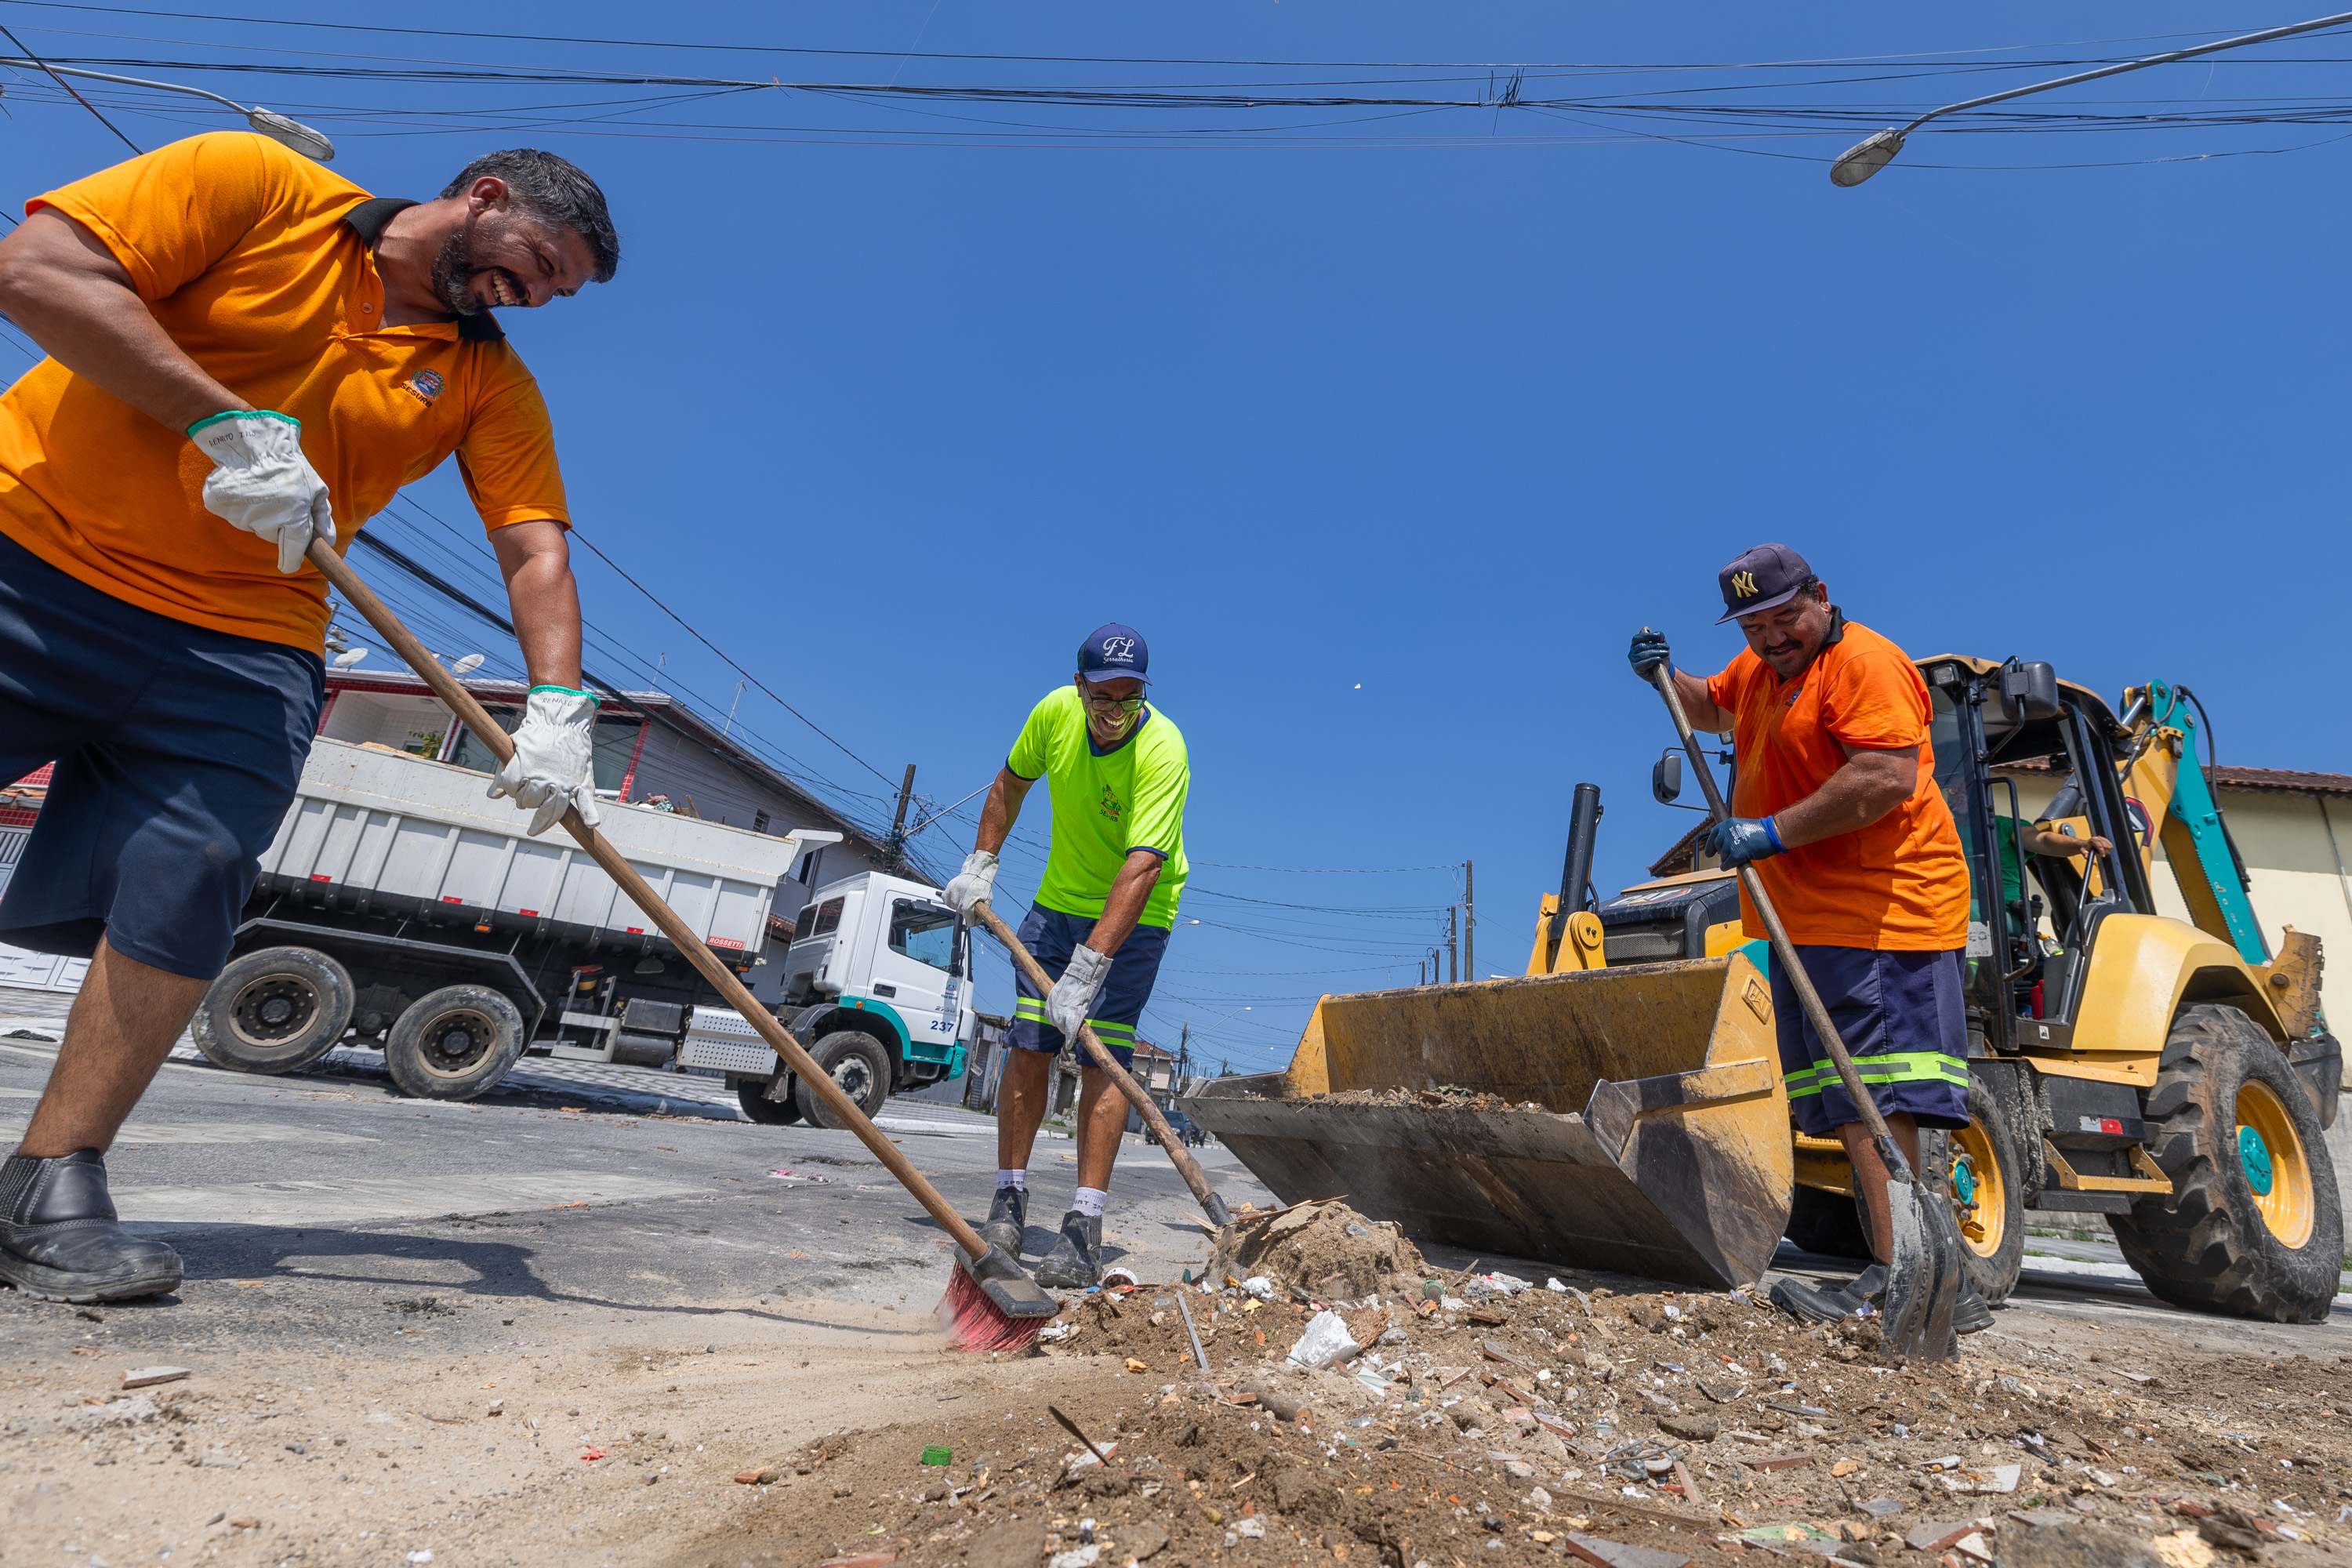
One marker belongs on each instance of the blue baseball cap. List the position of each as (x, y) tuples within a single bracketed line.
[(1114, 653)]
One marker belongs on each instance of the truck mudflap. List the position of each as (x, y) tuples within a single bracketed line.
[(1628, 1119)]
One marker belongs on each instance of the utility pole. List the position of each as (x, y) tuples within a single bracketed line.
[(906, 793), (1469, 923), (1453, 955), (893, 846)]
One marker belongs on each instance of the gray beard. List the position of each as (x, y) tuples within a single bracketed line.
[(453, 273)]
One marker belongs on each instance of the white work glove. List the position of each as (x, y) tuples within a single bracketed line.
[(974, 884), (554, 757), (262, 483), (1073, 995)]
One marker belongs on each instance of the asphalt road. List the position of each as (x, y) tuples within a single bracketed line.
[(536, 1195), (632, 1191)]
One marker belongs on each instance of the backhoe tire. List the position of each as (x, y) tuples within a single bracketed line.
[(454, 1044), (273, 1011), (857, 1063), (2252, 1226), (752, 1094), (1978, 1166), (1827, 1223)]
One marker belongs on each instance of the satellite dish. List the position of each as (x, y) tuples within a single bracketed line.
[(345, 661), (468, 665)]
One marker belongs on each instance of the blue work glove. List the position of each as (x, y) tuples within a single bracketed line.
[(1738, 840), (1648, 652)]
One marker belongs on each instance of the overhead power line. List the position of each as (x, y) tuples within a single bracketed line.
[(1035, 59), (729, 663), (62, 82)]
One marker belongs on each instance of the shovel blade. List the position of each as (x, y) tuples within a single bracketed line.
[(1923, 1270)]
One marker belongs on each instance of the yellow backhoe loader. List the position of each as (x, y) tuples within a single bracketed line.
[(1621, 1105)]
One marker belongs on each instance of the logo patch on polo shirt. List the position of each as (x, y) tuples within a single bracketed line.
[(425, 385), (1110, 806)]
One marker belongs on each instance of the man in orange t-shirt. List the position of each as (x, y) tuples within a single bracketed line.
[(248, 353), (1835, 806)]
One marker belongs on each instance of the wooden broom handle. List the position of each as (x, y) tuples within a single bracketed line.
[(730, 988), (1186, 1166)]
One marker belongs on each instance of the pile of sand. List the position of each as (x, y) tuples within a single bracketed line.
[(1326, 1250)]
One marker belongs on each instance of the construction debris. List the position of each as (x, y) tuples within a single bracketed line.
[(1326, 1251), (1551, 1423)]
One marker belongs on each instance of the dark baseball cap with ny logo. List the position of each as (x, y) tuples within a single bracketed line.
[(1764, 578)]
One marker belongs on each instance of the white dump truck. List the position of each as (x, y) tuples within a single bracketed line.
[(401, 908), (877, 985)]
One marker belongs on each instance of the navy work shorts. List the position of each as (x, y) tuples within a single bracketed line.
[(1902, 1021), (1050, 935), (177, 748)]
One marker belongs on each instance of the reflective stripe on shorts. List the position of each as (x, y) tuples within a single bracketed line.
[(1887, 1067)]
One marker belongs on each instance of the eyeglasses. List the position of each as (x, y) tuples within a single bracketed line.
[(1115, 704)]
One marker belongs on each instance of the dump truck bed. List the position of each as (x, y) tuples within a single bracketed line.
[(1629, 1119), (377, 824)]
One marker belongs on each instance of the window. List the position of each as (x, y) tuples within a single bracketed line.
[(760, 822), (828, 920), (616, 742), (469, 751), (924, 932), (806, 924)]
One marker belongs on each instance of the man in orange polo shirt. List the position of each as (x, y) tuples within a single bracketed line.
[(246, 353), (1835, 806)]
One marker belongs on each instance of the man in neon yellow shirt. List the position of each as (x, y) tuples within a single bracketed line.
[(1117, 773)]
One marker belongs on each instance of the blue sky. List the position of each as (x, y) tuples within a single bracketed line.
[(1387, 430)]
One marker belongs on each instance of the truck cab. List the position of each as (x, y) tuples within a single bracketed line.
[(877, 987)]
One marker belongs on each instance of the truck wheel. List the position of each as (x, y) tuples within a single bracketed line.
[(273, 1011), (752, 1094), (2253, 1225), (1978, 1166), (859, 1065), (1828, 1224), (454, 1044)]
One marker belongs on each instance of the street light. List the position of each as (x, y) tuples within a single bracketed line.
[(279, 129), (1865, 158)]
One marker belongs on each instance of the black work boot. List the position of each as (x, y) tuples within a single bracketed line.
[(1811, 1303), (1970, 1314), (1075, 1261), (59, 1238), (1008, 1219)]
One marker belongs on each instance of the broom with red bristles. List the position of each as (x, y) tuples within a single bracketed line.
[(990, 1305)]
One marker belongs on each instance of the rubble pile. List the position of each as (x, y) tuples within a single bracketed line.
[(1445, 1096), (1319, 1250), (1497, 1420)]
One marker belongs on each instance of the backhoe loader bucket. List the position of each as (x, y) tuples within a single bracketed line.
[(1657, 1144)]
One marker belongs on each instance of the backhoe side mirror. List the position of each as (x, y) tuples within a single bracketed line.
[(2030, 691), (1666, 779)]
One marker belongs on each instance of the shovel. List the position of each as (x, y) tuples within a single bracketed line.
[(990, 1304), (1923, 1269), (1212, 1202)]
